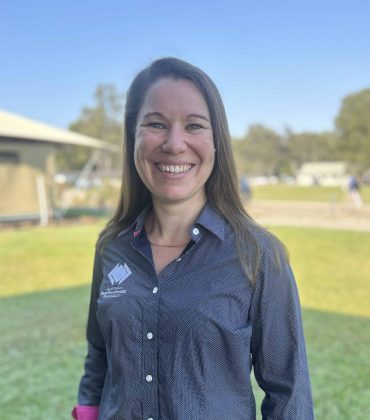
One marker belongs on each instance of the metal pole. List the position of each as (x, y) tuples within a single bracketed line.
[(43, 202)]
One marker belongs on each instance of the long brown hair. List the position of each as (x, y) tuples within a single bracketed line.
[(222, 187)]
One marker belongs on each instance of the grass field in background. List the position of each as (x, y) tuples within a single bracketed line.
[(294, 192), (45, 275), (36, 259)]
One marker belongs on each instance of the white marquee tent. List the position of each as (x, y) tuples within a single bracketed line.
[(27, 148)]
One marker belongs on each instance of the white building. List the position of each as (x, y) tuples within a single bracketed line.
[(326, 174)]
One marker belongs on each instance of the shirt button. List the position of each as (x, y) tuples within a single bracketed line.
[(149, 378), (155, 290), (150, 418), (196, 231), (149, 335)]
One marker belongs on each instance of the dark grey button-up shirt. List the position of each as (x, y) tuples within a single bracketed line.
[(181, 345)]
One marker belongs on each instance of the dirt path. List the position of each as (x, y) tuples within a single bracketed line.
[(310, 214)]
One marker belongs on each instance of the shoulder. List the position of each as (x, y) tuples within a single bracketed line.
[(268, 253), (275, 279), (272, 248), (113, 243), (266, 244)]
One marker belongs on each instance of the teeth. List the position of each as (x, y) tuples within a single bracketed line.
[(173, 169)]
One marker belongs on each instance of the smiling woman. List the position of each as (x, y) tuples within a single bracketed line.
[(174, 149), (188, 292)]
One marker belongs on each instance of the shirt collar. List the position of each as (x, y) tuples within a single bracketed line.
[(140, 220), (210, 219), (137, 224)]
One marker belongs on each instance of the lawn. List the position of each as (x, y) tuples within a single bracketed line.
[(37, 259), (45, 276), (294, 192)]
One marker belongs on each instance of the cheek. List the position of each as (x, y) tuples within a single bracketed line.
[(207, 149), (146, 142), (139, 156), (211, 162), (137, 153), (141, 148)]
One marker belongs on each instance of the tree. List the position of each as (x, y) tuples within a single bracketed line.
[(260, 152), (310, 147), (103, 120), (353, 127)]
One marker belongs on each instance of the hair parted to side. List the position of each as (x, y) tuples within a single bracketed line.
[(222, 187)]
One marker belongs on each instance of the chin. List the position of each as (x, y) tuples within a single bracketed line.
[(173, 198), (177, 197)]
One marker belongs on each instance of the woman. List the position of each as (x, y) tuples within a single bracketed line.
[(188, 291)]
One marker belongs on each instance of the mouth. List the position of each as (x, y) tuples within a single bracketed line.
[(173, 169)]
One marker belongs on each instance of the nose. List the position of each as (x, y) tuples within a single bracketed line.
[(175, 141)]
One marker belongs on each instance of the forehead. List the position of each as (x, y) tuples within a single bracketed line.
[(167, 95)]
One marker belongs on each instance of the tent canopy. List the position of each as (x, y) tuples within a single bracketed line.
[(26, 165), (21, 128)]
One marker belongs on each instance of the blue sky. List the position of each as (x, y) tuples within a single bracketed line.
[(278, 63)]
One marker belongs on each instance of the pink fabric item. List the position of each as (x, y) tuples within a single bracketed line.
[(137, 232), (85, 412)]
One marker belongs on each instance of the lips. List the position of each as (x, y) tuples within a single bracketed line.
[(173, 169)]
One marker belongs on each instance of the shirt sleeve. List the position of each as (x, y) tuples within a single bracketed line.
[(277, 344), (84, 412), (92, 381)]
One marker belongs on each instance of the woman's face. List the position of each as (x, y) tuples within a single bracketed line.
[(174, 149)]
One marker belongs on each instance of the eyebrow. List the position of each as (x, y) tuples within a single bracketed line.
[(198, 116), (153, 114), (158, 114)]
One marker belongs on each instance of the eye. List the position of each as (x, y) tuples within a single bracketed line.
[(193, 127), (155, 124)]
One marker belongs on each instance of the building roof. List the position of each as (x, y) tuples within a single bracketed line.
[(21, 128), (338, 168)]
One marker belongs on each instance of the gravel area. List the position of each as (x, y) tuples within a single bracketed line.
[(310, 214)]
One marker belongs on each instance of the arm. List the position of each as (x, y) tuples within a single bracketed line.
[(92, 382), (277, 345)]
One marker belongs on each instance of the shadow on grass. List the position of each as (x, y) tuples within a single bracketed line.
[(42, 340), (339, 359)]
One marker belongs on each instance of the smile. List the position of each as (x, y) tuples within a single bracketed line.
[(173, 169)]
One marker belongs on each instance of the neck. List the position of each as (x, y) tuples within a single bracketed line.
[(169, 224)]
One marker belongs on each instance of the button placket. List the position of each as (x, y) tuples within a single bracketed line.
[(149, 325)]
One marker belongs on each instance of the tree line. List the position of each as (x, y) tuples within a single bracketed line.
[(262, 151)]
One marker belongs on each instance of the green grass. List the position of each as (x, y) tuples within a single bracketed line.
[(42, 348), (332, 268), (45, 276), (293, 192), (37, 259)]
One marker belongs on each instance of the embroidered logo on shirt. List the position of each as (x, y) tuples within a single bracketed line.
[(113, 292), (119, 274)]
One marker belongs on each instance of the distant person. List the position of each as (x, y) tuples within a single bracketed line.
[(188, 292), (353, 189), (245, 188)]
